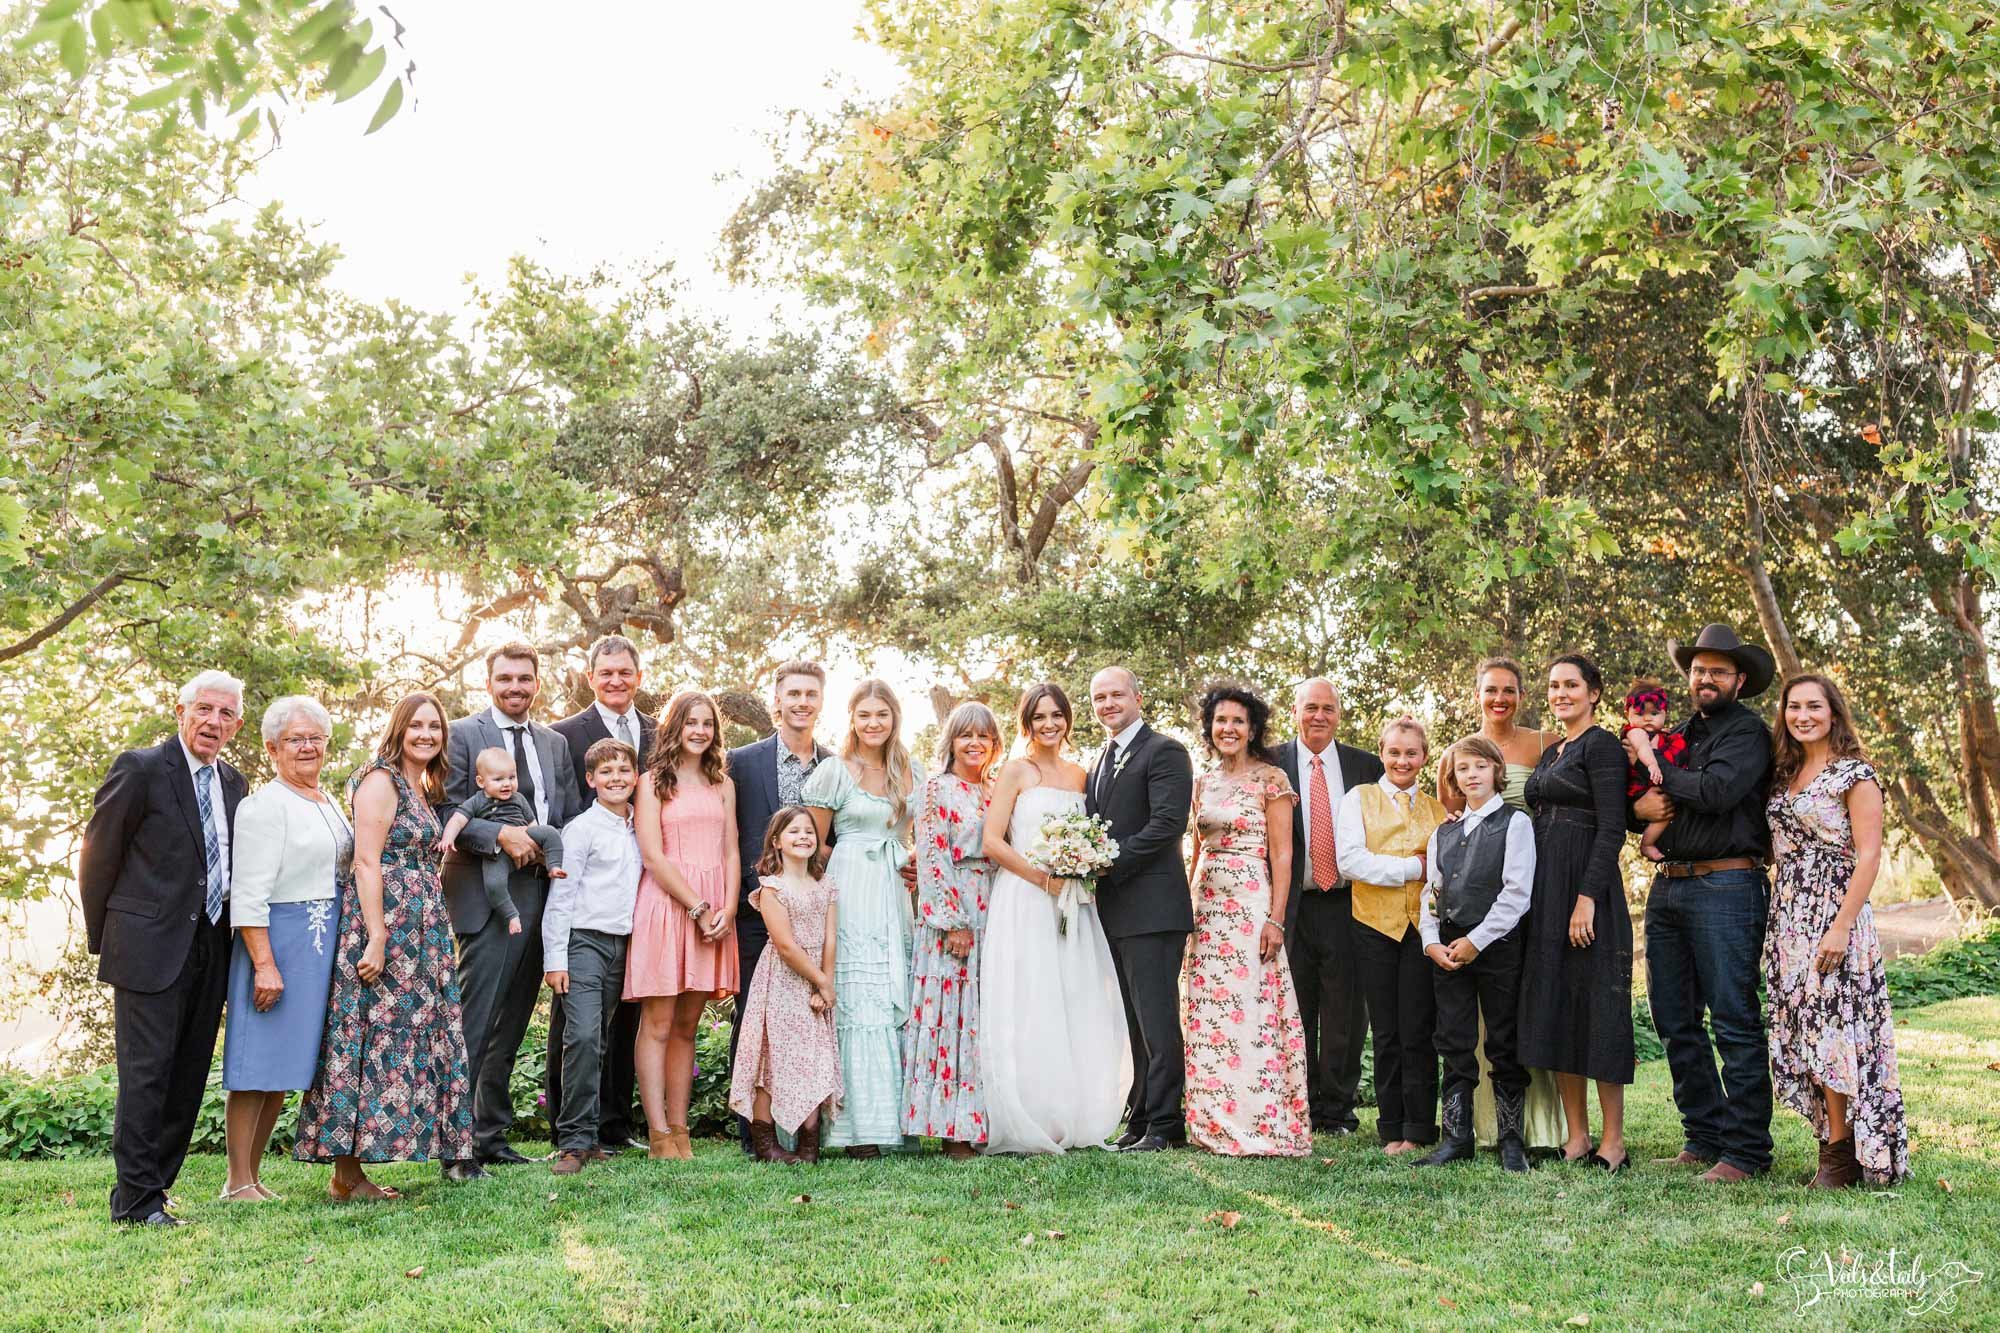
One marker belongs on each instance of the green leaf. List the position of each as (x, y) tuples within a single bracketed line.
[(392, 102), (152, 100), (56, 10), (366, 70), (74, 46)]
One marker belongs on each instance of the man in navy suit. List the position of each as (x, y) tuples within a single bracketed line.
[(1319, 920), (768, 775), (499, 972), (615, 673), (154, 879)]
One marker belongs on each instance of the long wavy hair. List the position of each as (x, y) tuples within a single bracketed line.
[(895, 757), (663, 764), (1031, 699), (771, 860), (1235, 692), (390, 748), (1841, 738)]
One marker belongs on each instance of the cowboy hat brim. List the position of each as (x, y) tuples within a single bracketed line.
[(1759, 668)]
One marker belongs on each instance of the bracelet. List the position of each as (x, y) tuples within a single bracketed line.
[(698, 908), (1277, 924)]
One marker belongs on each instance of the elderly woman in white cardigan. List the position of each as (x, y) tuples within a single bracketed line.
[(292, 845)]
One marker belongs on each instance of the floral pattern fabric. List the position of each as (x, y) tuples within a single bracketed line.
[(393, 1084), (943, 1096), (788, 1050), (1246, 1069), (1834, 1030)]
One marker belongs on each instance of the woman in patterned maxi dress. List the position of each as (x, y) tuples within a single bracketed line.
[(1832, 1037), (392, 1083), (943, 1093), (1246, 1072)]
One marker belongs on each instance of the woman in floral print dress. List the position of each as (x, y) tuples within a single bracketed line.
[(943, 1094), (1833, 1039), (1246, 1073), (392, 1083)]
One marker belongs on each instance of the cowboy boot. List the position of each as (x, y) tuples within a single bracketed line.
[(1510, 1109), (807, 1140), (764, 1144), (1456, 1143), (1838, 1167)]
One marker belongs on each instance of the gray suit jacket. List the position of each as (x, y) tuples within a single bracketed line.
[(464, 892)]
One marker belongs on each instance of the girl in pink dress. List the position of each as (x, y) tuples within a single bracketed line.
[(683, 951), (788, 1064)]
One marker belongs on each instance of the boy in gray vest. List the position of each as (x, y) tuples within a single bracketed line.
[(1482, 871)]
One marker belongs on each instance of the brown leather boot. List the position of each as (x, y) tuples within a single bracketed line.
[(764, 1144), (1838, 1166), (959, 1151), (808, 1141), (659, 1144), (679, 1146)]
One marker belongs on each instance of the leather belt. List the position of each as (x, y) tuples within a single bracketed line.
[(1696, 869)]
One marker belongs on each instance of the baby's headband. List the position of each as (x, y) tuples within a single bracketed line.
[(1647, 699)]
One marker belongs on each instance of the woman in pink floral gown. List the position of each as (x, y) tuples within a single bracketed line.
[(1246, 1072)]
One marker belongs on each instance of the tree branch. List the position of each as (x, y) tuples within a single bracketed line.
[(62, 622)]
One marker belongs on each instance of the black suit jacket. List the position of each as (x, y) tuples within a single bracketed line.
[(753, 768), (143, 876), (1147, 805), (1357, 768), (465, 900), (585, 729)]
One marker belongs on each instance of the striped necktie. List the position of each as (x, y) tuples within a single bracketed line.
[(211, 841)]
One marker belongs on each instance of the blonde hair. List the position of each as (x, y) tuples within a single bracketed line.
[(1480, 747), (895, 755), (1405, 723), (970, 718)]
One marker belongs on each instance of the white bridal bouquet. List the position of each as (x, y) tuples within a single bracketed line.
[(1076, 848)]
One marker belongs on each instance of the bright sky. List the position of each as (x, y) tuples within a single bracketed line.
[(595, 136)]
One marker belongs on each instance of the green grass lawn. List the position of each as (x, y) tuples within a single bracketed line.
[(1343, 1239)]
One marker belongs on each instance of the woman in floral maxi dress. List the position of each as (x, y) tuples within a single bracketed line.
[(1832, 1037), (392, 1083), (1246, 1073)]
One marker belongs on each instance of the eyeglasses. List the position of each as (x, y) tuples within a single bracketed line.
[(303, 742), (1713, 673)]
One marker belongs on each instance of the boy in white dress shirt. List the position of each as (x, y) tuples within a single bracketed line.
[(1480, 873), (585, 929)]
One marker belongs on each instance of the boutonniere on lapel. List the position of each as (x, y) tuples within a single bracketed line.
[(1119, 766)]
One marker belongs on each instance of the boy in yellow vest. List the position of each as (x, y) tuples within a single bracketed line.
[(1380, 834)]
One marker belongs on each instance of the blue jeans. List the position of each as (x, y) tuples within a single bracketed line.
[(1704, 945)]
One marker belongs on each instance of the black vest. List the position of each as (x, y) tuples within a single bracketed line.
[(1470, 866)]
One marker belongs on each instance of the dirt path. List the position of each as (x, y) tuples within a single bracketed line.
[(1915, 927)]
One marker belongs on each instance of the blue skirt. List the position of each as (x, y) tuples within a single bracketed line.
[(278, 1050)]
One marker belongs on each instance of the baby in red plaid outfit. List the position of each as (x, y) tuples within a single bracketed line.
[(1646, 727)]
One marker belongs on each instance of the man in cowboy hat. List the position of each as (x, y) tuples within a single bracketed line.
[(1705, 913)]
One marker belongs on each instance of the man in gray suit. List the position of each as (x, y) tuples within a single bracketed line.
[(500, 974)]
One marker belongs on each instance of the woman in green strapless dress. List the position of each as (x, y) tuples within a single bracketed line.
[(1497, 692)]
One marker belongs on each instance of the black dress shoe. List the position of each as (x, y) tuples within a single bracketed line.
[(1127, 1139), (464, 1171), (159, 1217), (1152, 1143), (504, 1155), (616, 1142)]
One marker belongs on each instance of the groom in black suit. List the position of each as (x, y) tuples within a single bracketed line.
[(154, 879), (1319, 918), (614, 672), (1143, 786)]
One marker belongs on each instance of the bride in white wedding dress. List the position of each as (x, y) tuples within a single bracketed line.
[(1053, 1051)]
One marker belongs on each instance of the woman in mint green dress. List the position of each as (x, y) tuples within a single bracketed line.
[(866, 801)]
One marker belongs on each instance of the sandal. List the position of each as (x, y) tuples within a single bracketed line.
[(1583, 1158), (363, 1190), (253, 1189), (1603, 1163)]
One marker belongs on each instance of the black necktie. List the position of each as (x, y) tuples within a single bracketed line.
[(523, 769), (1106, 770)]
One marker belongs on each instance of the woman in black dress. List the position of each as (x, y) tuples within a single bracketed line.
[(1576, 971)]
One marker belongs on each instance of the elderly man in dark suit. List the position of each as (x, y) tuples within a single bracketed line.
[(768, 774), (500, 973), (1319, 921), (1143, 786), (615, 673), (154, 879)]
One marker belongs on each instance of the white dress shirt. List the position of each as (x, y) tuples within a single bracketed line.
[(1517, 879), (292, 850), (217, 810), (1123, 740), (599, 886), (1335, 789), (610, 719), (534, 752)]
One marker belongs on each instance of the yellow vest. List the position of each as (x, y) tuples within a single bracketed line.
[(1393, 909)]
